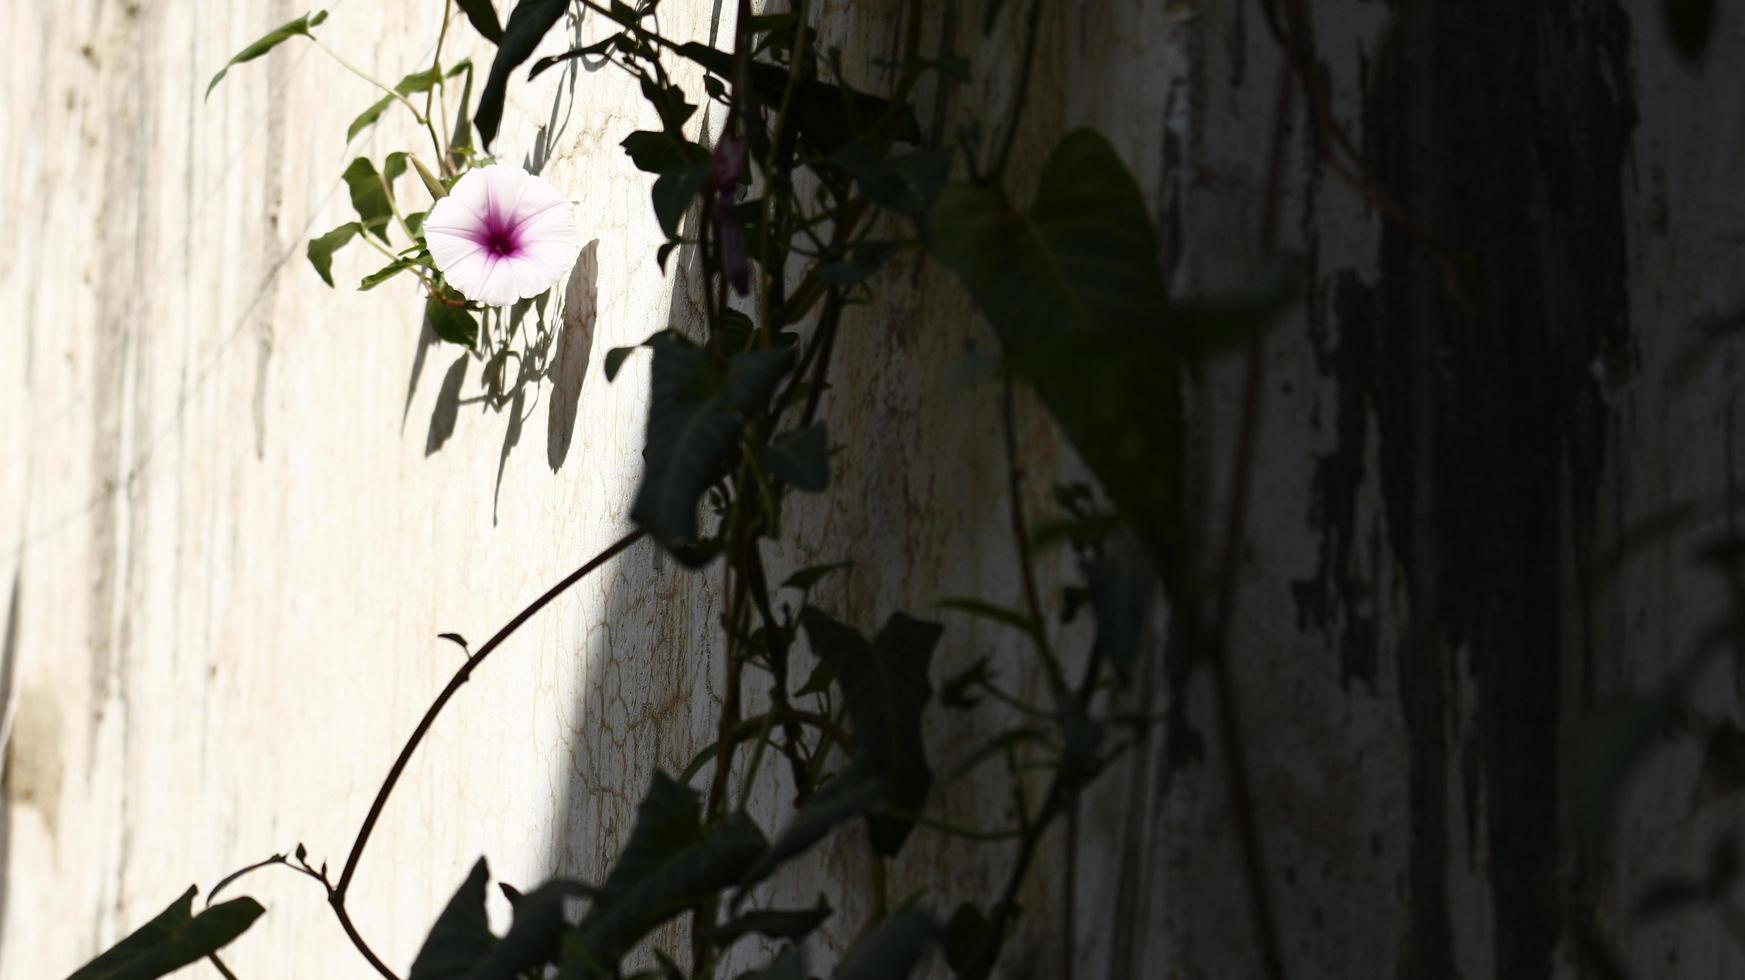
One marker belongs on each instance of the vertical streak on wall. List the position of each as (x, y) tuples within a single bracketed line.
[(1508, 128)]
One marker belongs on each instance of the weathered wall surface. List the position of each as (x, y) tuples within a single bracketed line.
[(237, 506)]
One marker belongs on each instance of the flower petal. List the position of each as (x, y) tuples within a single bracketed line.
[(465, 207), (536, 195), (498, 286), (468, 274), (555, 223)]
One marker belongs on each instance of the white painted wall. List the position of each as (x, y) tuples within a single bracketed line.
[(233, 516)]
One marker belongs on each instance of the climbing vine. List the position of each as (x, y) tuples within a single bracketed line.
[(810, 187)]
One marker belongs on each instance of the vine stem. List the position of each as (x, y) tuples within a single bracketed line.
[(336, 894), (1031, 30), (366, 76), (1237, 767), (431, 118), (1021, 538)]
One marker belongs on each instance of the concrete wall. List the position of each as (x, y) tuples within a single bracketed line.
[(241, 505)]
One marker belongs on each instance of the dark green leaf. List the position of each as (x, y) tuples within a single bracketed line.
[(272, 39), (999, 614), (809, 576), (1072, 288), (674, 192), (849, 795), (890, 951), (801, 458), (956, 691), (484, 18), (827, 116), (752, 377), (670, 863), (694, 419), (528, 24), (1122, 584), (533, 938), (1690, 23), (772, 923), (964, 936), (818, 682), (1667, 896), (865, 259), (587, 51), (615, 359), (461, 938), (669, 102), (659, 153), (173, 939), (1610, 743), (454, 325), (790, 965), (1212, 323), (905, 183), (368, 117), (885, 688), (321, 249), (999, 745), (991, 15)]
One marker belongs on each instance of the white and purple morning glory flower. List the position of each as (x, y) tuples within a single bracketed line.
[(502, 234)]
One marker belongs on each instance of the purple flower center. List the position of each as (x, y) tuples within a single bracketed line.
[(500, 236)]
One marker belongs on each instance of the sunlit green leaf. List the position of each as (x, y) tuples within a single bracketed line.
[(321, 249), (267, 42), (369, 196), (387, 272), (420, 81)]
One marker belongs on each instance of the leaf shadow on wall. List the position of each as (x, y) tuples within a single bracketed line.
[(8, 673), (575, 343)]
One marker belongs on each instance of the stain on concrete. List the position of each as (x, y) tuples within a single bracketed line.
[(1506, 133)]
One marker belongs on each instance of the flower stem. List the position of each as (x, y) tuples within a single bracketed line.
[(438, 142), (359, 72)]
